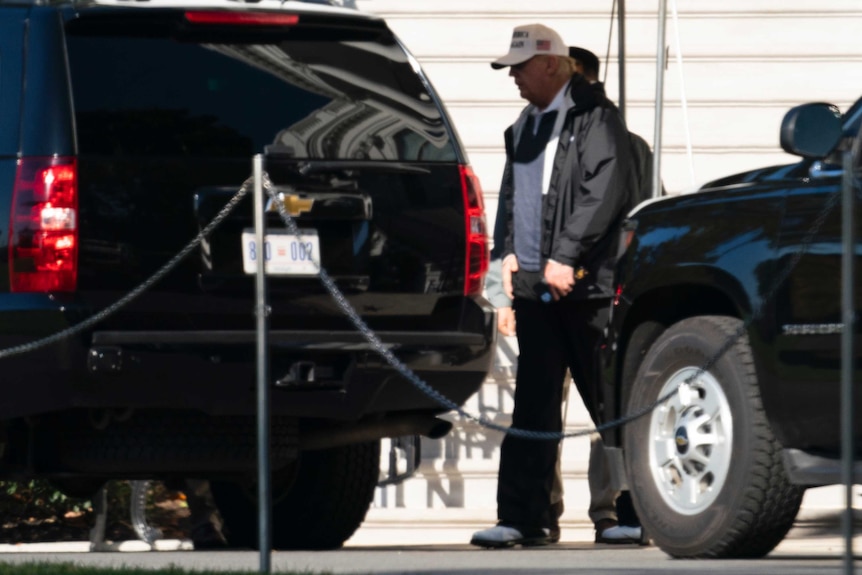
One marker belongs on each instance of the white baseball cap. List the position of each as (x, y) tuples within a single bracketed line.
[(531, 40)]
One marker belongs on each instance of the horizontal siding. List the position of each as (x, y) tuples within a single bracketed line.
[(744, 65), (788, 36), (518, 9)]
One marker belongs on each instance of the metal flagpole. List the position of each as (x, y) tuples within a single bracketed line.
[(848, 313), (264, 493), (621, 58), (659, 98)]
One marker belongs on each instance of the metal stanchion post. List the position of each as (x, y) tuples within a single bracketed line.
[(848, 313), (621, 57), (264, 493), (661, 62)]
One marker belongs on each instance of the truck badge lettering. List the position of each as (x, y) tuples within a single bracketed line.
[(812, 329)]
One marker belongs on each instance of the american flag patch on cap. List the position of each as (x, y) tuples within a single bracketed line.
[(543, 45)]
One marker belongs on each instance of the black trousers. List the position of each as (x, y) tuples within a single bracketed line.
[(551, 338)]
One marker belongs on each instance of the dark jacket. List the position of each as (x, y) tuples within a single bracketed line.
[(589, 188)]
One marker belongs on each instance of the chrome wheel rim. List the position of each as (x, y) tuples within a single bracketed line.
[(691, 440)]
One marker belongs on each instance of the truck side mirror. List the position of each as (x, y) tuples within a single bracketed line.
[(811, 130)]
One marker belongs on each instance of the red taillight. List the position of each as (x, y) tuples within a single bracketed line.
[(242, 18), (477, 233), (43, 231)]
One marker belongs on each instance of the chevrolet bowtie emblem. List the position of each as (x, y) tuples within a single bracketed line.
[(293, 204)]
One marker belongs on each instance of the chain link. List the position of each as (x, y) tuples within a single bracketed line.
[(445, 402), (384, 351), (172, 263)]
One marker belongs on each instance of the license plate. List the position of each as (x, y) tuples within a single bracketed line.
[(285, 254)]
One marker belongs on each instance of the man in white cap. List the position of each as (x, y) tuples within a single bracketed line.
[(566, 186)]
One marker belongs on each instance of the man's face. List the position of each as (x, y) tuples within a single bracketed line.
[(533, 79)]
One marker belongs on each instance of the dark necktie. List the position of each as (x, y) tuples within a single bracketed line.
[(531, 144)]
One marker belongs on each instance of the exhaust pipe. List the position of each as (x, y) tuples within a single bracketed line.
[(395, 425)]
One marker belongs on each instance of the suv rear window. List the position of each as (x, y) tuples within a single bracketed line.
[(182, 90)]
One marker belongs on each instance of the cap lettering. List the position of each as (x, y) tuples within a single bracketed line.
[(518, 44)]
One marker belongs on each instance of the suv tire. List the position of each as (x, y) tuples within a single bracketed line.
[(319, 507), (705, 471)]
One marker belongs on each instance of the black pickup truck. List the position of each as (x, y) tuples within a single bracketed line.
[(125, 129), (728, 307)]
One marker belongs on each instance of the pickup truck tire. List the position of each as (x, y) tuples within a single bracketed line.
[(318, 507), (704, 469)]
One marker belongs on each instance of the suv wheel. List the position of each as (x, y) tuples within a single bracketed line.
[(704, 468), (317, 508)]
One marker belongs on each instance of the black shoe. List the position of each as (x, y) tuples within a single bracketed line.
[(501, 536)]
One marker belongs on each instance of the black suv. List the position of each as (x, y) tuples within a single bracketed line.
[(729, 308), (125, 128)]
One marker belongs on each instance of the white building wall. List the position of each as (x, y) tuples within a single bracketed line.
[(744, 63)]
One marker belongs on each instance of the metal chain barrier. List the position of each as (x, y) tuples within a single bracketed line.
[(443, 401), (138, 511), (150, 534), (164, 270), (385, 352)]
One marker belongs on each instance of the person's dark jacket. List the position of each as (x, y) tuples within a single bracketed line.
[(589, 189)]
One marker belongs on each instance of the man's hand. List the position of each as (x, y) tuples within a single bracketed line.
[(506, 320), (560, 279), (510, 266)]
